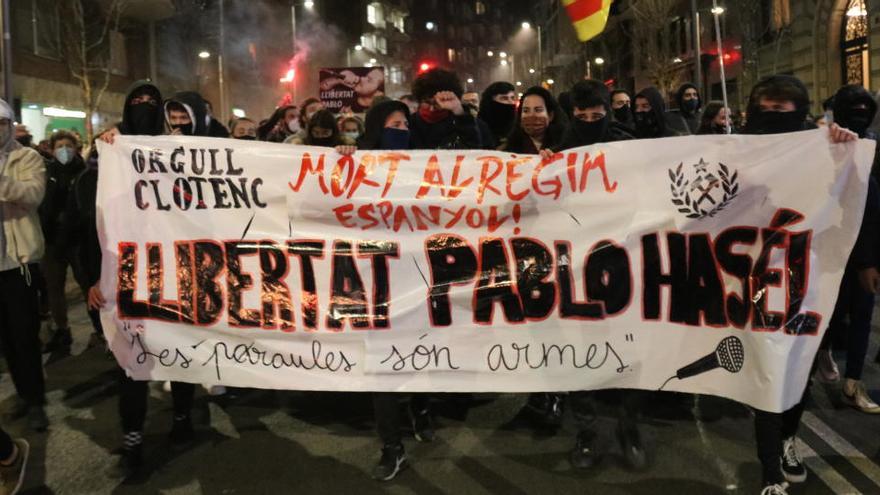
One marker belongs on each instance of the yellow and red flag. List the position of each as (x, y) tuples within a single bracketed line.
[(588, 16)]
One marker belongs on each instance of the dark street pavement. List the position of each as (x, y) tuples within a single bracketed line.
[(292, 442)]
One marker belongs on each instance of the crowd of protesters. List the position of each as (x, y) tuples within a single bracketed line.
[(47, 207)]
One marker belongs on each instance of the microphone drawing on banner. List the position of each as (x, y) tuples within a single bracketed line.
[(728, 355)]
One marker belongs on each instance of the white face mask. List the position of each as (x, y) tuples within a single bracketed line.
[(64, 154), (293, 125), (353, 135)]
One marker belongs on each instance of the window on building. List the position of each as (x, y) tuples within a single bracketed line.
[(450, 54), (375, 16), (398, 20), (854, 44), (479, 7), (381, 45)]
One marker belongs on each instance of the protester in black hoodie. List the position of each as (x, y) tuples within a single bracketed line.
[(186, 113), (498, 110), (651, 118), (780, 104), (61, 172), (442, 122), (283, 123), (143, 115), (689, 104), (540, 123), (592, 122), (386, 128), (854, 109)]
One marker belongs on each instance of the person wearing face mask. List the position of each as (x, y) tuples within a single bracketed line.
[(186, 114), (854, 108), (780, 104), (540, 123), (244, 128), (386, 127), (352, 128), (498, 110), (651, 120), (61, 173), (442, 121), (593, 124), (22, 186), (715, 119), (144, 114), (689, 104), (284, 122), (621, 108)]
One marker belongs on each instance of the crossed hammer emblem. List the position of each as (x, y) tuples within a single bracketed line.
[(704, 183)]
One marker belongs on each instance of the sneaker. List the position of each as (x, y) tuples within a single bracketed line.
[(775, 489), (182, 433), (12, 476), (37, 419), (792, 466), (393, 461), (855, 395), (583, 455), (631, 444), (423, 427), (61, 340), (826, 368)]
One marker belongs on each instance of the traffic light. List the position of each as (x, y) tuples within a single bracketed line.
[(425, 67)]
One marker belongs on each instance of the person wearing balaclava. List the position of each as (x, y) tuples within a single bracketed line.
[(61, 172), (144, 114), (780, 104), (22, 186), (498, 110), (592, 122), (689, 105), (854, 108), (651, 118)]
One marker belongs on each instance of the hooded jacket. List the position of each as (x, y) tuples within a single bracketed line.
[(195, 106), (691, 118), (374, 123), (671, 124), (802, 102), (848, 97), (22, 185), (499, 117), (127, 126)]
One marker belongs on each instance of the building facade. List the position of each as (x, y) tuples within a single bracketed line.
[(825, 43)]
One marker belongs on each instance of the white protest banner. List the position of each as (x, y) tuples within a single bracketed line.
[(703, 264)]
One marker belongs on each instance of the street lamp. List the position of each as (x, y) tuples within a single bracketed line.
[(308, 4), (204, 54), (470, 80), (526, 25), (429, 26), (358, 47), (717, 10), (504, 63), (531, 71), (551, 82), (519, 83), (490, 53), (502, 54), (599, 60)]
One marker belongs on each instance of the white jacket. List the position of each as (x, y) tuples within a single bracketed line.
[(22, 185)]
